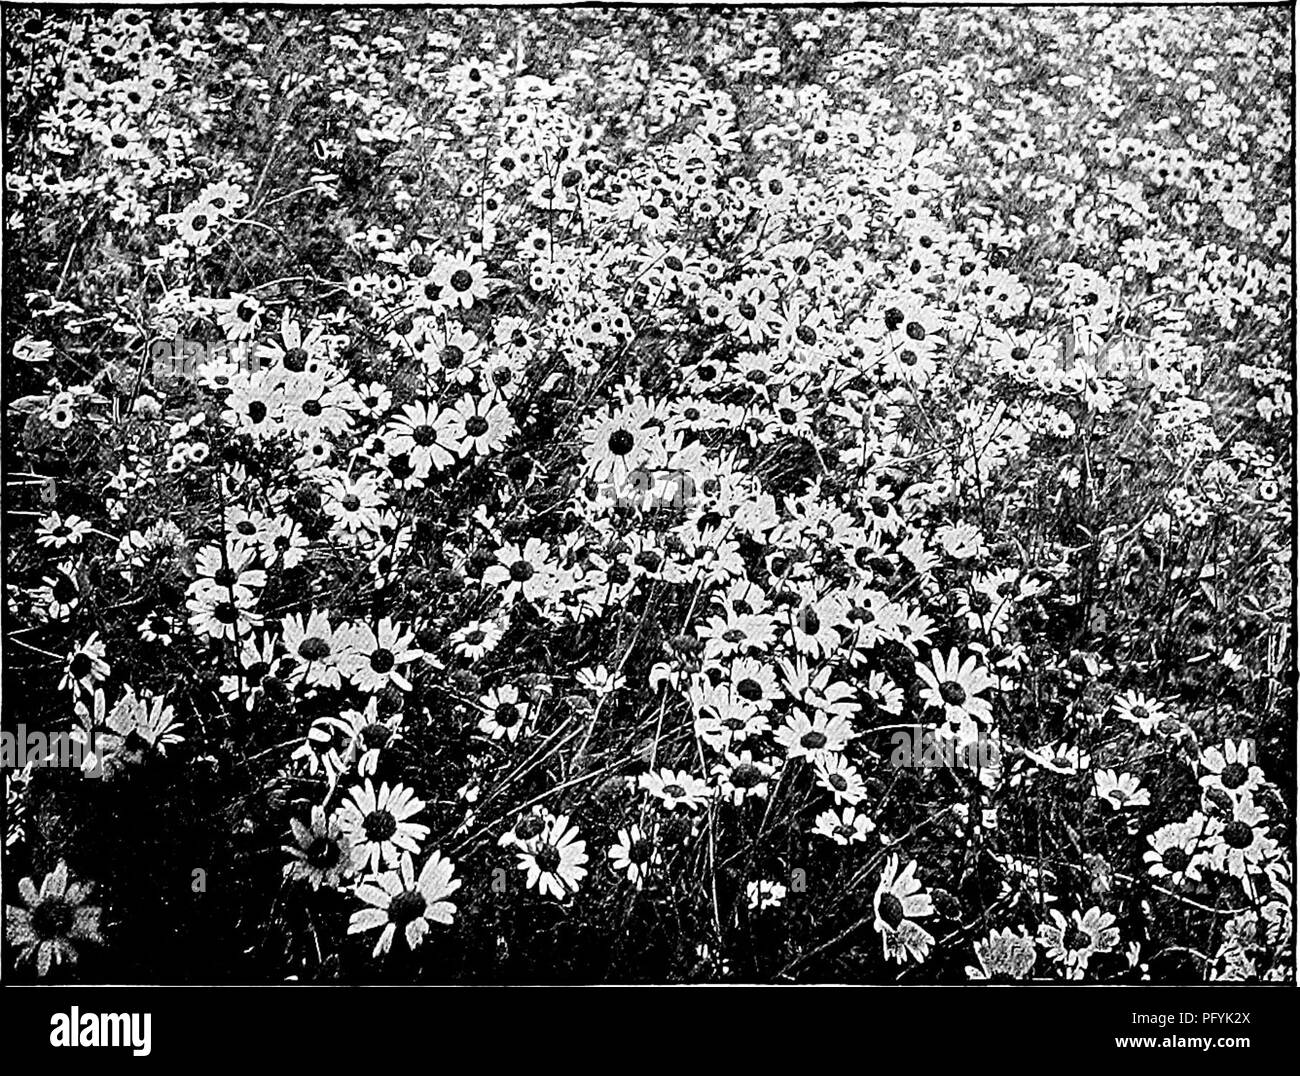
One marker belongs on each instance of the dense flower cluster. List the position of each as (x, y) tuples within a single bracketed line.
[(547, 459)]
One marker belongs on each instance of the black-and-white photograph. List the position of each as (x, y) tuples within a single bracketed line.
[(649, 494)]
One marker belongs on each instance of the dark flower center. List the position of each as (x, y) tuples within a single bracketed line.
[(521, 571), (548, 858), (407, 907), (314, 648), (376, 735), (621, 442), (640, 851), (1076, 939), (461, 280), (379, 826), (52, 918), (746, 775), (382, 660), (813, 740), (79, 666), (1238, 835), (424, 436), (323, 853), (529, 826), (1234, 775), (750, 689), (1175, 860), (952, 693), (477, 426), (891, 910), (506, 715)]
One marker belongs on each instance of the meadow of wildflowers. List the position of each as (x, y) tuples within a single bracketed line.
[(660, 495)]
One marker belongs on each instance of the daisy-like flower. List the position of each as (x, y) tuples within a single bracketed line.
[(554, 859), (475, 639), (463, 281), (353, 503), (503, 714), (841, 779), (240, 316), (616, 444), (134, 725), (478, 426), (1004, 956), (813, 738), (294, 352), (374, 658), (49, 924), (1143, 712), (741, 776), (1060, 758), (635, 855), (374, 399), (232, 576), (56, 531), (526, 573), (195, 222), (600, 681), (368, 734), (405, 902), (317, 649), (1242, 846), (254, 406), (1231, 768), (216, 615), (59, 595), (844, 828), (672, 789), (285, 543), (320, 854), (1180, 849), (954, 686), (155, 628), (527, 826), (898, 903), (1073, 942), (86, 666), (423, 434), (1121, 790), (377, 824)]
